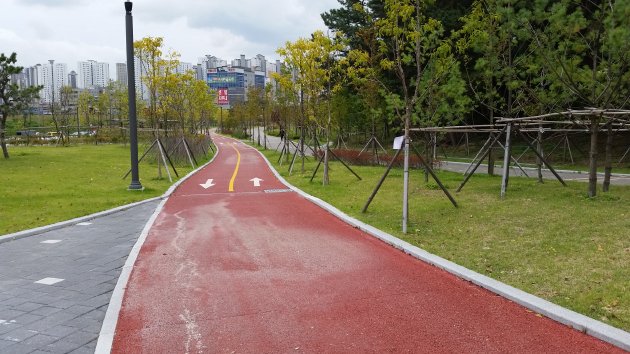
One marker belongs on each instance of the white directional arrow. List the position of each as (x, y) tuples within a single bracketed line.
[(256, 181), (208, 184)]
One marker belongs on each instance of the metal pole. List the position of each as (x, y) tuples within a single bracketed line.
[(506, 160), (131, 87), (405, 210)]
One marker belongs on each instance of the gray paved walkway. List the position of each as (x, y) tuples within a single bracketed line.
[(616, 179), (55, 287)]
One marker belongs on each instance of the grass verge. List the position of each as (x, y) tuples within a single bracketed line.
[(45, 184), (548, 240)]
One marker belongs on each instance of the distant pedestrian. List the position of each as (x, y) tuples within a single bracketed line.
[(282, 134)]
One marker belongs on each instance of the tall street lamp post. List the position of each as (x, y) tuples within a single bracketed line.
[(131, 87)]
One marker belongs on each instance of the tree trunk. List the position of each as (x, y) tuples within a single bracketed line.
[(592, 176), (539, 162), (490, 162), (3, 142), (608, 158), (490, 155)]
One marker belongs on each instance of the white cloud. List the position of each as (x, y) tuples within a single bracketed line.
[(73, 30)]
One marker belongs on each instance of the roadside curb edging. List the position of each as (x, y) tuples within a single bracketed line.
[(108, 329), (574, 172), (66, 223), (594, 328)]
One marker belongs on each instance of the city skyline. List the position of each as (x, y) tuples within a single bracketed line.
[(78, 30), (75, 65)]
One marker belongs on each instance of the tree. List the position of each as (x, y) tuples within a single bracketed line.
[(415, 50), (585, 49), (63, 120), (148, 50), (85, 105), (12, 98), (308, 74)]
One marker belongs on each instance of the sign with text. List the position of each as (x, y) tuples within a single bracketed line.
[(222, 79), (222, 96)]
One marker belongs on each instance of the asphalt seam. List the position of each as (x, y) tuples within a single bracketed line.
[(592, 327)]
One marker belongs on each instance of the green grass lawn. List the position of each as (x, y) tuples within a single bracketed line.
[(545, 239), (46, 184)]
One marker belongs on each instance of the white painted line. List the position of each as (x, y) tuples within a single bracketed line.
[(84, 224), (51, 241), (49, 281)]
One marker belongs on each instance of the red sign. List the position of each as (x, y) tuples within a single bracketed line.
[(222, 96)]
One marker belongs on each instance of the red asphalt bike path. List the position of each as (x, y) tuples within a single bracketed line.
[(249, 271)]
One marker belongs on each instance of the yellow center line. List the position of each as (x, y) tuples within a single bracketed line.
[(238, 163)]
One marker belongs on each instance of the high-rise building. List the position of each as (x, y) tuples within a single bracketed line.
[(140, 71), (208, 62), (121, 73), (230, 78), (93, 74), (72, 79), (44, 77), (182, 68)]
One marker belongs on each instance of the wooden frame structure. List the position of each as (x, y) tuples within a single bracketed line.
[(573, 122)]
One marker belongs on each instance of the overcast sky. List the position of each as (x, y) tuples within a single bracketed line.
[(77, 30)]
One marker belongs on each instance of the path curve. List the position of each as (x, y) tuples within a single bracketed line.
[(261, 269)]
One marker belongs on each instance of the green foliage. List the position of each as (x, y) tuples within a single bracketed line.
[(46, 184), (12, 98)]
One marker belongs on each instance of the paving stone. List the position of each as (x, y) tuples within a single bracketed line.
[(97, 314), (19, 348), (27, 306), (40, 340), (97, 301), (10, 314), (80, 309), (59, 331), (61, 346), (15, 300), (66, 316), (52, 320), (63, 304), (45, 311), (5, 344), (84, 323), (6, 328), (81, 337), (19, 334), (27, 318), (83, 350)]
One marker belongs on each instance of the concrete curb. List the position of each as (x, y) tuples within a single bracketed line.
[(66, 223), (585, 173), (597, 329), (108, 329)]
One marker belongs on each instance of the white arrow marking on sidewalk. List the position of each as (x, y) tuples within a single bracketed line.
[(256, 181), (208, 184)]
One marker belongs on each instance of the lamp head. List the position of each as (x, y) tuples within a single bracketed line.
[(128, 6)]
